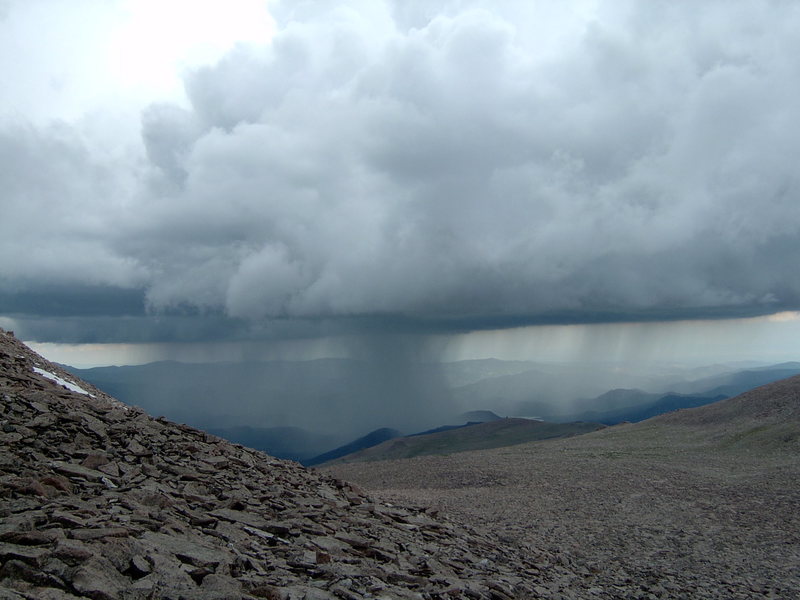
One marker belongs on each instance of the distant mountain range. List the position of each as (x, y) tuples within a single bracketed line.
[(303, 409), (368, 441), (737, 382), (616, 406), (477, 436)]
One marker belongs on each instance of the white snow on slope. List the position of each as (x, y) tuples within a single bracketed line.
[(67, 384)]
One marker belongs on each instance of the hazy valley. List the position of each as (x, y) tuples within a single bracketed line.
[(302, 409)]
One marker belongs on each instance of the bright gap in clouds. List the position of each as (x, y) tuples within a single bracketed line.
[(769, 339), (65, 60), (157, 41)]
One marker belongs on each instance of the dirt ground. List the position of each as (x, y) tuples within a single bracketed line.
[(634, 511)]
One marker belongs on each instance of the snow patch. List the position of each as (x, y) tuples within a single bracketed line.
[(67, 384)]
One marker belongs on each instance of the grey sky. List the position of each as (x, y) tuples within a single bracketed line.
[(414, 166)]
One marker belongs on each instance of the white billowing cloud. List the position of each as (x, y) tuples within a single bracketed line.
[(275, 277), (158, 39), (465, 159)]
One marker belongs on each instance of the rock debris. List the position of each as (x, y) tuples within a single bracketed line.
[(99, 500), (699, 503)]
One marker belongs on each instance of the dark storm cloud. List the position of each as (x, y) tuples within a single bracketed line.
[(445, 166), (81, 329), (61, 210), (75, 301)]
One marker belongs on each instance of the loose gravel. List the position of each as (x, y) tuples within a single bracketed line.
[(653, 510)]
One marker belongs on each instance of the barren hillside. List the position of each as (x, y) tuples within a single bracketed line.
[(700, 503)]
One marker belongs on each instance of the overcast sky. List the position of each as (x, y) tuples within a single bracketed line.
[(184, 171)]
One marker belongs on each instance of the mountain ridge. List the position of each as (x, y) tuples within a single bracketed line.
[(469, 437)]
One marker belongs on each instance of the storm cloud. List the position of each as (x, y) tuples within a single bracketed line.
[(437, 166)]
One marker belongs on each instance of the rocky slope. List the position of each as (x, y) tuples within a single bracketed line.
[(99, 500), (700, 503)]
